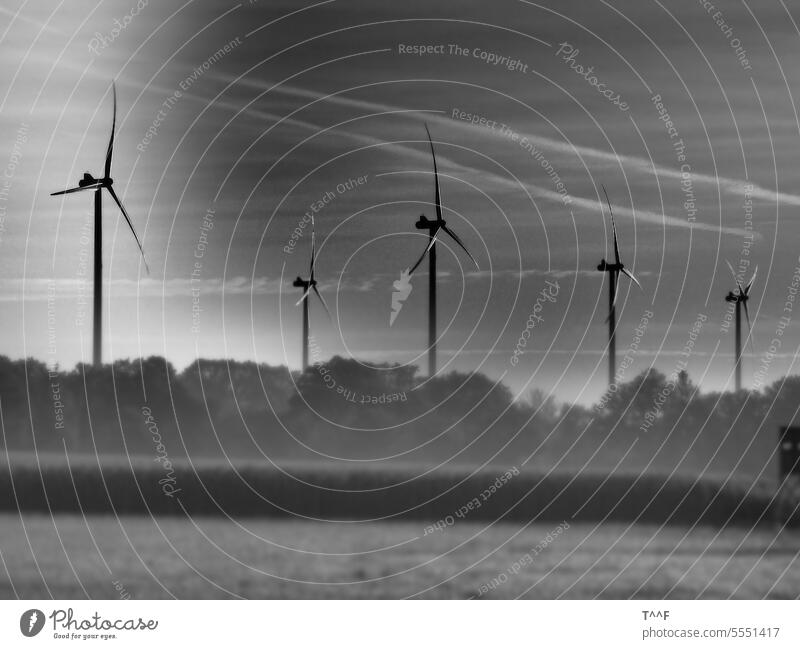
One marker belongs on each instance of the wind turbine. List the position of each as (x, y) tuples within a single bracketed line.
[(740, 298), (307, 286), (433, 228), (613, 271), (98, 184)]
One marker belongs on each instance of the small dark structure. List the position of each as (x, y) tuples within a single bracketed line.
[(789, 449), (787, 500)]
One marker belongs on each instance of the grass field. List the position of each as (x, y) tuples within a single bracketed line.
[(105, 529), (69, 556), (136, 486)]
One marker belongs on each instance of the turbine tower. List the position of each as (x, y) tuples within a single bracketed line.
[(613, 271), (307, 286), (98, 184), (740, 298), (433, 228)]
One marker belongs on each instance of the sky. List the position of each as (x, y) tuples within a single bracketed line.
[(235, 119)]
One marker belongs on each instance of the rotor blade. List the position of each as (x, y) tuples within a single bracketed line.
[(113, 128), (319, 295), (749, 328), (630, 274), (433, 240), (313, 250), (616, 288), (460, 243), (750, 283), (735, 279), (425, 252), (305, 295), (613, 225), (130, 224), (436, 177), (616, 293), (422, 256), (75, 189)]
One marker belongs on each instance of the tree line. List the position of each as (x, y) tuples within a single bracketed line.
[(344, 409)]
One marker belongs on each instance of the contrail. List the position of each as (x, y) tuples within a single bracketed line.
[(476, 176), (479, 175), (733, 186), (31, 21)]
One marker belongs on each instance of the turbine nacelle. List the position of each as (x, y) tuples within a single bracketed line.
[(425, 223), (87, 180), (607, 266), (90, 182), (304, 284), (736, 297)]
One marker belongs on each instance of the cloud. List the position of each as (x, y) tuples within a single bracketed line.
[(40, 289), (537, 272)]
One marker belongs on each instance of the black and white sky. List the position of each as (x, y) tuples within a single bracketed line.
[(235, 118)]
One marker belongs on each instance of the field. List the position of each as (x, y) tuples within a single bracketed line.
[(133, 486), (69, 556), (106, 528)]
